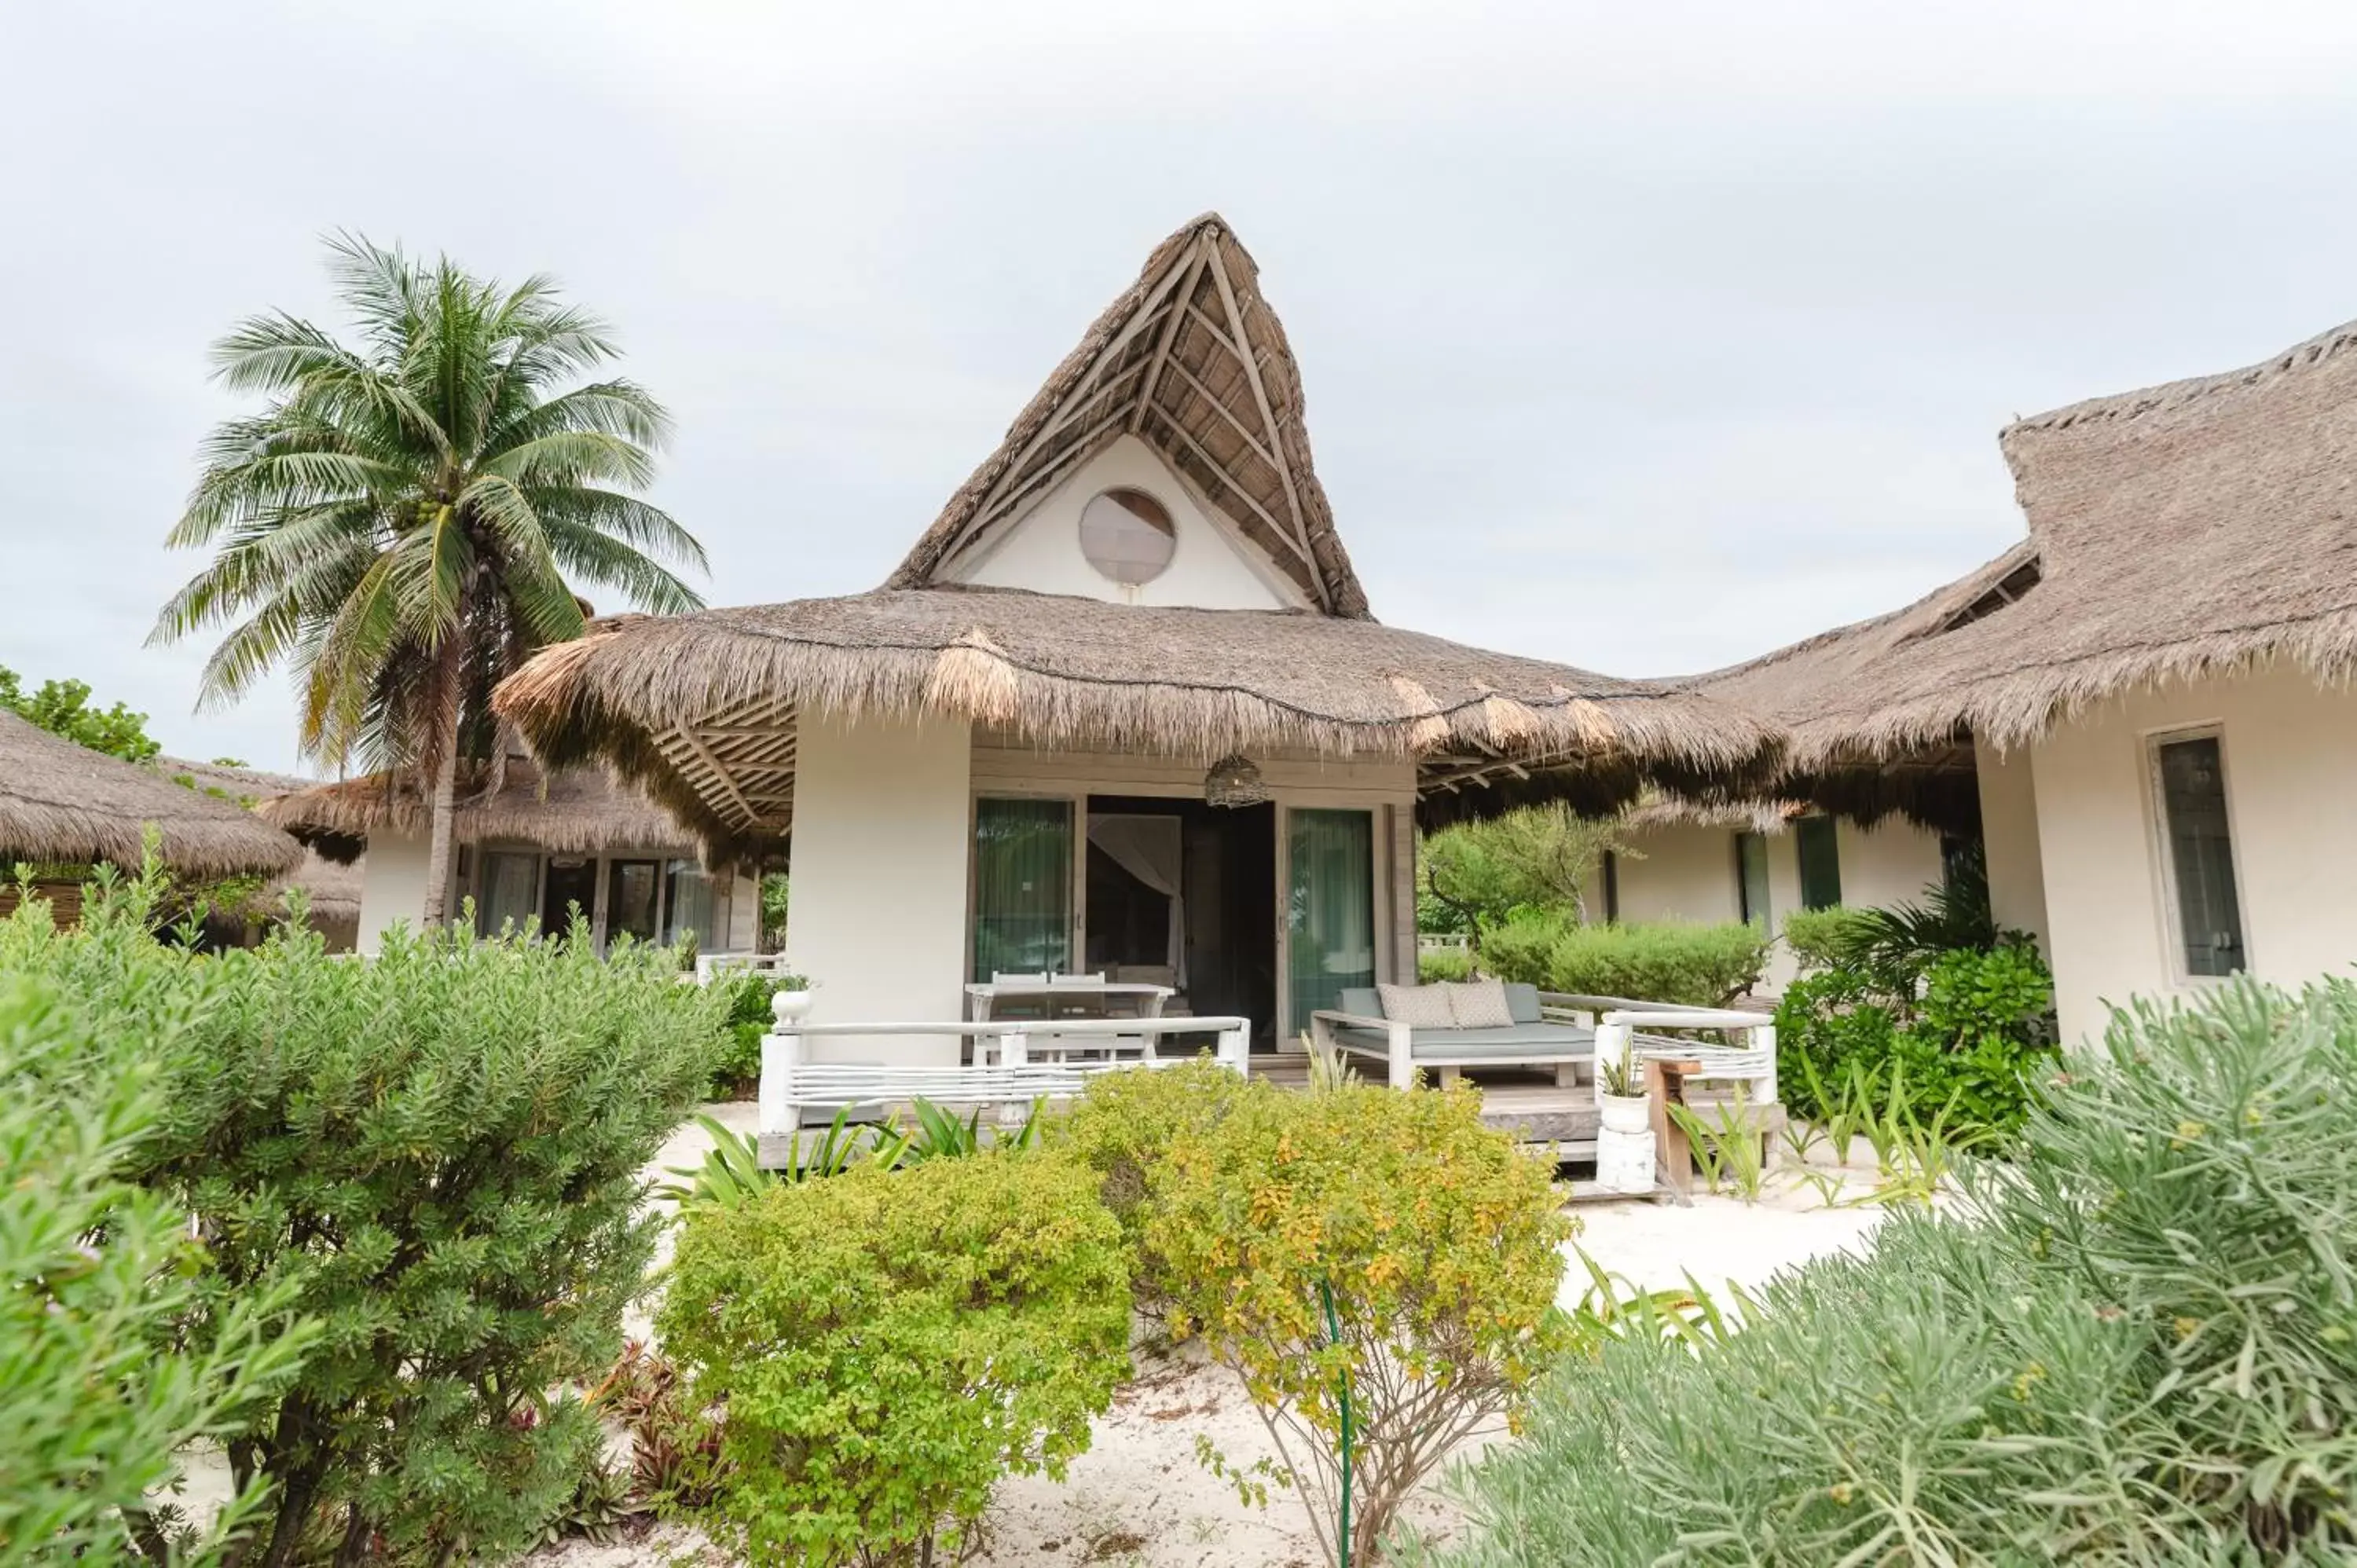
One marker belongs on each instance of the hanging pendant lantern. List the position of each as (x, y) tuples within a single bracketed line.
[(1234, 782)]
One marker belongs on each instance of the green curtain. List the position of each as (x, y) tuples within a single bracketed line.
[(1330, 907), (1022, 886)]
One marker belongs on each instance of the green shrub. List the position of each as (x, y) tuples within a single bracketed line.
[(1702, 966), (1820, 939), (102, 1396), (438, 1151), (1122, 1126), (1435, 964), (1523, 948), (2135, 1344), (888, 1344), (1975, 1041), (1366, 1240)]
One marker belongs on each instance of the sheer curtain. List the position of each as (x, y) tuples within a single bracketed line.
[(1022, 886), (510, 880), (1152, 850), (1330, 907)]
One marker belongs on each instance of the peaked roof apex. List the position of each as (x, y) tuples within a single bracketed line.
[(1191, 359)]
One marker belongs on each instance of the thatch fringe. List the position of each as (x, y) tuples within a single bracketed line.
[(1071, 674), (580, 812)]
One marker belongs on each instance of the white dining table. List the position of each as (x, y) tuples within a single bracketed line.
[(982, 996)]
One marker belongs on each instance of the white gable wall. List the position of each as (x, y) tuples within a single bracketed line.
[(1211, 568)]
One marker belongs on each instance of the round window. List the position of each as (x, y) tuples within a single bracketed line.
[(1128, 535)]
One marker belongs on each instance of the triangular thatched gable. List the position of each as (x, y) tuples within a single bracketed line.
[(1191, 360)]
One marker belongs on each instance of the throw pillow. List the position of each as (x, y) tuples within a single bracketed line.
[(1478, 1004), (1417, 1006)]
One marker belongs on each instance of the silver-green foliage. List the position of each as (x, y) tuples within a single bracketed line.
[(102, 1395), (2134, 1344), (438, 1153)]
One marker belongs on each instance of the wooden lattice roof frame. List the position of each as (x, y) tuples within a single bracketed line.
[(1191, 360)]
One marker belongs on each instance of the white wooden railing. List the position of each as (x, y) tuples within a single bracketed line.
[(1017, 1061), (1619, 1019)]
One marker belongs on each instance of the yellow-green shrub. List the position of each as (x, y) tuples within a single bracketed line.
[(1125, 1122), (1366, 1239), (888, 1344)]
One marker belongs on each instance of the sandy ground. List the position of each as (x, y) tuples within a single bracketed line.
[(1138, 1498)]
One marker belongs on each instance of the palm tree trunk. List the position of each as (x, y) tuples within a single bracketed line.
[(446, 812)]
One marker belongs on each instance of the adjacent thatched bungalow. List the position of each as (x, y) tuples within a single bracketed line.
[(528, 846), (2144, 704), (1123, 708), (330, 889), (65, 805), (1761, 860)]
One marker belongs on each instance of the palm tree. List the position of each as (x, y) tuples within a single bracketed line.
[(405, 522)]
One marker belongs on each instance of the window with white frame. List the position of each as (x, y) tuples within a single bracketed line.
[(2197, 852)]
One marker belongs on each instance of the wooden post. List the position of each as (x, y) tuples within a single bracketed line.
[(1664, 1086)]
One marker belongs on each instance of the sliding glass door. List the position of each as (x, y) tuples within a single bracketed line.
[(1022, 886), (1330, 908)]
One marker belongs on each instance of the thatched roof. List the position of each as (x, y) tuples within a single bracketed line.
[(569, 812), (1167, 362), (64, 803), (702, 709), (2196, 529)]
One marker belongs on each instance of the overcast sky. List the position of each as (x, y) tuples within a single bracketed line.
[(1642, 337)]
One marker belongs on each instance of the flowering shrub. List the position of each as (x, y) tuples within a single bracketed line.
[(888, 1344), (1366, 1245)]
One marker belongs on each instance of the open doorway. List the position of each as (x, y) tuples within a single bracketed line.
[(1184, 893)]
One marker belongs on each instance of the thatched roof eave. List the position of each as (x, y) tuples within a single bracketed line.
[(63, 803)]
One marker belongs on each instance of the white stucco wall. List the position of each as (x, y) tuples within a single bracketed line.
[(392, 886), (1211, 568), (1683, 872), (878, 863), (2016, 875), (2290, 753), (1893, 862)]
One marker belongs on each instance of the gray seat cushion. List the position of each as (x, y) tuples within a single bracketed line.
[(1516, 1042)]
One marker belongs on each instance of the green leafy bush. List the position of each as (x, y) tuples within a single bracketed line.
[(1435, 964), (1366, 1243), (102, 1396), (1974, 1039), (1820, 939), (736, 1073), (888, 1344), (2135, 1344), (438, 1152), (1703, 966), (1123, 1127)]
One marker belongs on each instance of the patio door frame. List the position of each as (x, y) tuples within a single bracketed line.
[(1394, 851)]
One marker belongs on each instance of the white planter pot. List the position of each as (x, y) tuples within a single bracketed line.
[(1624, 1162), (792, 1006), (1625, 1112)]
